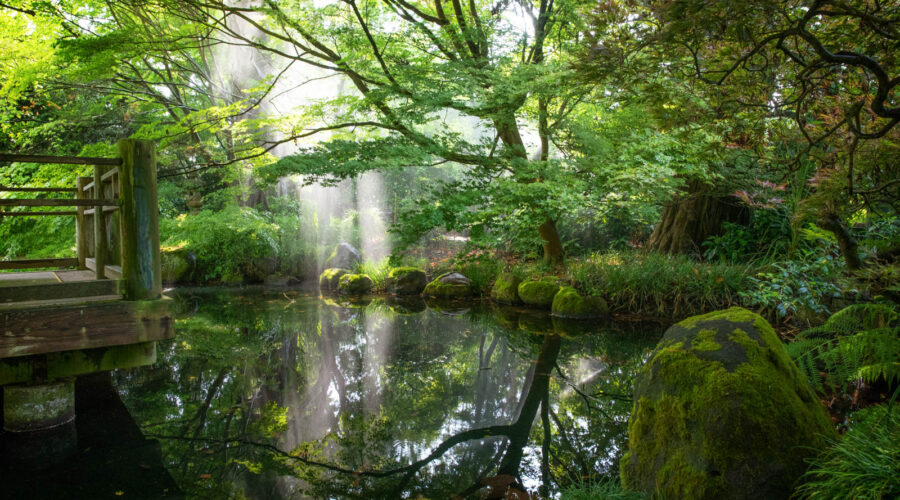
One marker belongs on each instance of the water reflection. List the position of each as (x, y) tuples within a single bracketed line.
[(265, 395)]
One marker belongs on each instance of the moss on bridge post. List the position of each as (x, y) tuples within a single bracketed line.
[(139, 216), (38, 406)]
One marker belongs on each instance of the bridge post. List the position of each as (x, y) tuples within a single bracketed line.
[(99, 227), (82, 239), (139, 220)]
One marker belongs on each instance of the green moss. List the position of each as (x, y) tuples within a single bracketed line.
[(330, 278), (568, 303), (704, 341), (30, 407), (405, 281), (440, 289), (354, 284), (721, 412), (538, 293), (399, 271), (506, 289), (175, 265)]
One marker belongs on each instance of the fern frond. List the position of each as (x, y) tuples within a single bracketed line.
[(860, 342)]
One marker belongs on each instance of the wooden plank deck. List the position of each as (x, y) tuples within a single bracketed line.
[(57, 328), (21, 289)]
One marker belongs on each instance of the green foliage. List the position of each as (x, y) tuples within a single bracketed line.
[(607, 488), (860, 342), (769, 233), (223, 242), (865, 464), (658, 284), (794, 286)]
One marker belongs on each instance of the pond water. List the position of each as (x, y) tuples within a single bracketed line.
[(273, 394)]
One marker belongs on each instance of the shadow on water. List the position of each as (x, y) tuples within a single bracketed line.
[(266, 394)]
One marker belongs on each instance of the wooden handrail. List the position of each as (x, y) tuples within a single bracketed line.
[(22, 202), (110, 173), (35, 263), (106, 210), (4, 189), (64, 160), (36, 214)]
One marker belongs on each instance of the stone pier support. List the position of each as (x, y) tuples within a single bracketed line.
[(38, 407)]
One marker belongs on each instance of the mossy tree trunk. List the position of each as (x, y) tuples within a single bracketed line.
[(846, 242), (689, 220)]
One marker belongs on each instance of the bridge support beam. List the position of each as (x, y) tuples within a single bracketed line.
[(139, 216)]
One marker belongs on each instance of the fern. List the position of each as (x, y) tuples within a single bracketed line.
[(860, 342)]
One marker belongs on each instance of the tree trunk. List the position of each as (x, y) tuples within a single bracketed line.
[(508, 131), (686, 222), (846, 242), (553, 250)]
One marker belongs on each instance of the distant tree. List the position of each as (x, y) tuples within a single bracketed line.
[(830, 66), (445, 82)]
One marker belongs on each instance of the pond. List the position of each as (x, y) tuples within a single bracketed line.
[(274, 394)]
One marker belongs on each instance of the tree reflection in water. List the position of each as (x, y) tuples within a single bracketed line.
[(266, 396)]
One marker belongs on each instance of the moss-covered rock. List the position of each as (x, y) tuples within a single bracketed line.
[(329, 279), (568, 303), (355, 284), (538, 293), (506, 289), (721, 411), (343, 256), (176, 265), (450, 286), (406, 281)]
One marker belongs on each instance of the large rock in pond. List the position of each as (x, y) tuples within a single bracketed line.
[(568, 303), (721, 411), (506, 289), (406, 281), (538, 293), (344, 256), (176, 265), (354, 284), (450, 286), (330, 278)]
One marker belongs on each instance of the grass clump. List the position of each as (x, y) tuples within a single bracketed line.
[(865, 464), (659, 284), (604, 489)]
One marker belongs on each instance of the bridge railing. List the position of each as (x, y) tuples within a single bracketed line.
[(116, 217)]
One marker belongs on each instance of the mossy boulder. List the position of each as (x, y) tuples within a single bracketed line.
[(406, 281), (721, 411), (568, 303), (330, 278), (343, 256), (355, 284), (538, 293), (506, 289), (450, 286), (176, 265)]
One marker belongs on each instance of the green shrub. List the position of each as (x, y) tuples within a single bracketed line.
[(865, 464), (481, 270), (768, 233), (793, 286), (223, 242)]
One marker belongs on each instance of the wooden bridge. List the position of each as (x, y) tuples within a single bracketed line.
[(98, 310)]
